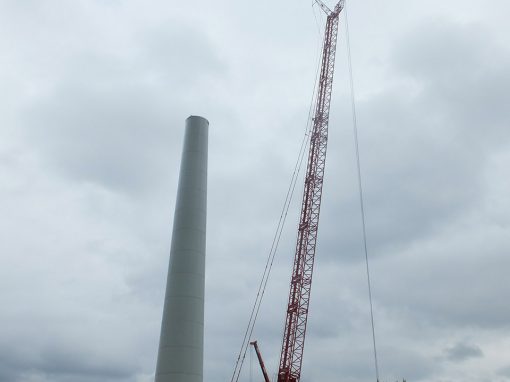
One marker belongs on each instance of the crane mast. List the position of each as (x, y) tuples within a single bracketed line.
[(301, 281)]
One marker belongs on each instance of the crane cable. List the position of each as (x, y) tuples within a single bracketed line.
[(276, 240), (360, 187)]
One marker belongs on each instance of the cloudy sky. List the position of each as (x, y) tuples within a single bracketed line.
[(93, 98)]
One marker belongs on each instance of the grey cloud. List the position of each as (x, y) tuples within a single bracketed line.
[(505, 372), (438, 48), (356, 362), (89, 160), (180, 54), (110, 118), (425, 156), (62, 365), (447, 285), (463, 73), (97, 137), (418, 176), (462, 352)]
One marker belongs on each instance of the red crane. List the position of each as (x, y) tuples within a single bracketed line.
[(301, 281), (261, 362)]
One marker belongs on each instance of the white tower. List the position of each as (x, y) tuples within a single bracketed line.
[(181, 350)]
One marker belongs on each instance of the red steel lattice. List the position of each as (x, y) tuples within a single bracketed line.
[(299, 295)]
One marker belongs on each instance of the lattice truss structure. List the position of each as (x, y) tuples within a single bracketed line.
[(301, 282)]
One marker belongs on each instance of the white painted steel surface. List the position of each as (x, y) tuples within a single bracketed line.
[(180, 355)]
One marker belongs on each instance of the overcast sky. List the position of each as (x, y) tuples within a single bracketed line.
[(93, 98)]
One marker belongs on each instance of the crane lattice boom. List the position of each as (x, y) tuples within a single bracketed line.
[(299, 295)]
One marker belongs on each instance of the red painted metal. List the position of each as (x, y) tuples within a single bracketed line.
[(300, 286), (261, 362)]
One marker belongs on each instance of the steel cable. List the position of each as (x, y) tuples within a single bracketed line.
[(276, 240), (360, 187)]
